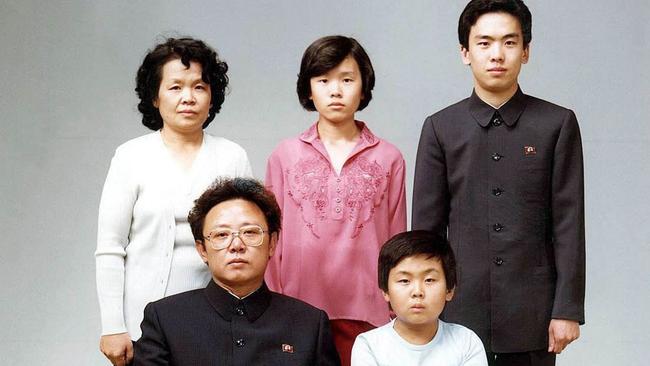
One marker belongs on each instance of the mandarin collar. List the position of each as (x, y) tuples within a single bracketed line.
[(366, 137), (228, 305), (510, 111)]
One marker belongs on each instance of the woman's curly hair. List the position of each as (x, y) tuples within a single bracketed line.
[(186, 49)]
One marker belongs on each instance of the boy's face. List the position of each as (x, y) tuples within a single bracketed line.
[(417, 291), (496, 53), (337, 93)]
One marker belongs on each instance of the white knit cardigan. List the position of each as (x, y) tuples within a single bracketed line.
[(136, 226)]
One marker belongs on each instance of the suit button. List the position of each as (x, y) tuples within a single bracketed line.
[(497, 227), (497, 191), (239, 311), (498, 261), (240, 342), (496, 156)]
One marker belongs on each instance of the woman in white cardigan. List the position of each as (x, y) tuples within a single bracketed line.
[(145, 250)]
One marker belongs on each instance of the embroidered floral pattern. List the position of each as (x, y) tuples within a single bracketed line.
[(364, 186), (367, 183), (308, 188)]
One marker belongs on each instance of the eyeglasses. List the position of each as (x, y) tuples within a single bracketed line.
[(250, 235)]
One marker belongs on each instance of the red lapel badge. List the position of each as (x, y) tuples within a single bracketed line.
[(530, 150), (287, 348)]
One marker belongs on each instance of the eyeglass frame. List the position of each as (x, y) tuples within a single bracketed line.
[(237, 233)]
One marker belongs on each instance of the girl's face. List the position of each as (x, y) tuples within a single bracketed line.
[(337, 93)]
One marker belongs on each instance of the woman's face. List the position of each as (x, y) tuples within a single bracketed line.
[(184, 99)]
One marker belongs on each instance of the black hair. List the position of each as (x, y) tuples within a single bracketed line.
[(326, 53), (226, 189), (476, 8), (186, 49), (412, 243)]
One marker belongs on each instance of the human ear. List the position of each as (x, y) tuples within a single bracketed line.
[(386, 297), (464, 55), (526, 55), (273, 241), (450, 294), (200, 248)]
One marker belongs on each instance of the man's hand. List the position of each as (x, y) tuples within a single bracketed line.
[(561, 332), (117, 348)]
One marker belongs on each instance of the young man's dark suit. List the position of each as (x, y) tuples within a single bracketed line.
[(211, 327), (509, 193)]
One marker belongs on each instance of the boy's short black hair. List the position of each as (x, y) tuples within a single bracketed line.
[(325, 54), (226, 189), (412, 243), (476, 8), (187, 50)]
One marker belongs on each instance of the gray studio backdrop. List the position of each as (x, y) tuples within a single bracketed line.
[(67, 100)]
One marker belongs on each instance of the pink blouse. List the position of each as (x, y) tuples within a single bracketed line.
[(334, 225)]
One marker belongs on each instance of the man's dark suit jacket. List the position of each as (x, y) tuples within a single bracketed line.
[(509, 195), (212, 327)]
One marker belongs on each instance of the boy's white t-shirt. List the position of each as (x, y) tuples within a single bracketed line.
[(453, 345)]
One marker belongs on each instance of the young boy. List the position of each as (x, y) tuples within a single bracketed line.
[(501, 174), (417, 275), (341, 190)]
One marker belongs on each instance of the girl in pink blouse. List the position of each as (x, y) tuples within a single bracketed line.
[(341, 191)]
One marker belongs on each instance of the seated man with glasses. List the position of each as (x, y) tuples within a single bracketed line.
[(235, 320)]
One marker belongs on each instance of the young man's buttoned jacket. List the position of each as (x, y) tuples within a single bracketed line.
[(508, 191)]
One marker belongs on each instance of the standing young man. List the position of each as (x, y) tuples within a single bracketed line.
[(501, 174)]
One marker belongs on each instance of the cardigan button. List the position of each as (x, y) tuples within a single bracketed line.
[(496, 156), (239, 311), (498, 261), (240, 342)]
